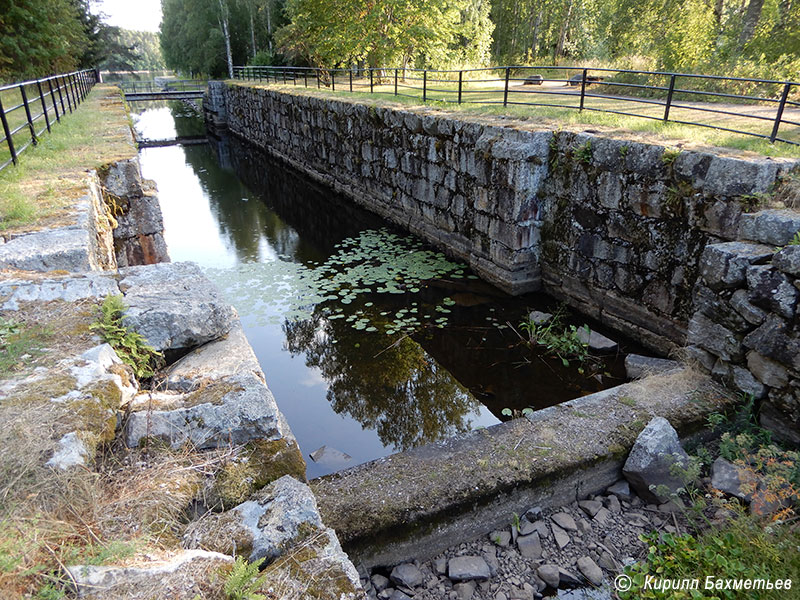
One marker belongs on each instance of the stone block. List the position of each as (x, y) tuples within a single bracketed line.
[(767, 371), (174, 306), (772, 290), (775, 227), (649, 466), (637, 366), (725, 265), (730, 177), (787, 260), (715, 338), (772, 339)]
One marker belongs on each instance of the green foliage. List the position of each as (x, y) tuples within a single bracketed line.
[(130, 346), (128, 50), (743, 549), (437, 33), (583, 154), (244, 580), (795, 241), (670, 155), (558, 340)]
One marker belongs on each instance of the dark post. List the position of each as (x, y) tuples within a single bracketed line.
[(44, 106), (371, 83), (283, 72), (583, 87), (333, 80), (7, 131), (66, 93), (505, 91), (395, 82), (425, 85), (779, 116), (460, 83), (351, 77), (317, 71), (305, 78), (71, 88), (28, 114), (669, 96), (53, 98)]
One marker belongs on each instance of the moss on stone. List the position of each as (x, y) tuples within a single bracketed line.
[(258, 464), (213, 393)]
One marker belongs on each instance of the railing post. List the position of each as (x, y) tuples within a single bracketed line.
[(44, 106), (460, 84), (66, 93), (7, 131), (305, 78), (333, 80), (317, 71), (28, 114), (395, 82), (583, 88), (779, 115), (505, 90), (425, 85), (371, 82), (351, 78), (669, 96), (53, 98), (283, 72), (71, 80)]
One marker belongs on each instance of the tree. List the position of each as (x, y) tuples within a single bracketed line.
[(39, 37), (384, 33)]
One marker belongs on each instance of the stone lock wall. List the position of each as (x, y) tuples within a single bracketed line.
[(628, 232), (746, 329)]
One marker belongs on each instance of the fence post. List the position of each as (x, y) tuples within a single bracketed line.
[(61, 97), (779, 116), (305, 78), (669, 96), (460, 83), (317, 72), (44, 106), (371, 81), (505, 91), (395, 82), (7, 131), (351, 77), (53, 98), (71, 89), (583, 88), (425, 85), (333, 80), (28, 114)]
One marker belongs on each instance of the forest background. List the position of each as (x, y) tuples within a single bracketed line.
[(745, 38)]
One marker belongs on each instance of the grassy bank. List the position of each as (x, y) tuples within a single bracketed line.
[(42, 189), (486, 99)]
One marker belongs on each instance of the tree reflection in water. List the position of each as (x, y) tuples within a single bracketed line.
[(394, 388)]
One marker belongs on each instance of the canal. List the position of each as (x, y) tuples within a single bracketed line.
[(371, 341)]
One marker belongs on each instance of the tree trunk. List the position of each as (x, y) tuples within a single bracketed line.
[(252, 33), (269, 26), (536, 27), (563, 33), (719, 7), (751, 18), (223, 20)]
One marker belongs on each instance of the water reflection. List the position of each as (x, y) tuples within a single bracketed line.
[(391, 386)]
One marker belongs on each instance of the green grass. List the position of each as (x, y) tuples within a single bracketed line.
[(17, 343), (42, 189), (482, 98)]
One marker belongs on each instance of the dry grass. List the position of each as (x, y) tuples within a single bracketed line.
[(42, 190)]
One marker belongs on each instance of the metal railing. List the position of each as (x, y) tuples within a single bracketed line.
[(167, 85), (724, 103), (37, 100)]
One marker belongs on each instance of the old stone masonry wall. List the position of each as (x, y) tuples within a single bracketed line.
[(620, 229)]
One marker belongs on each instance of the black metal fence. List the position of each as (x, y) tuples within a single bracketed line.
[(166, 85), (767, 109), (35, 106)]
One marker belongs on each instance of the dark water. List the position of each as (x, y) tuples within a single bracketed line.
[(361, 358)]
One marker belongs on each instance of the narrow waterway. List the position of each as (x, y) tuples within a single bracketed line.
[(371, 341)]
